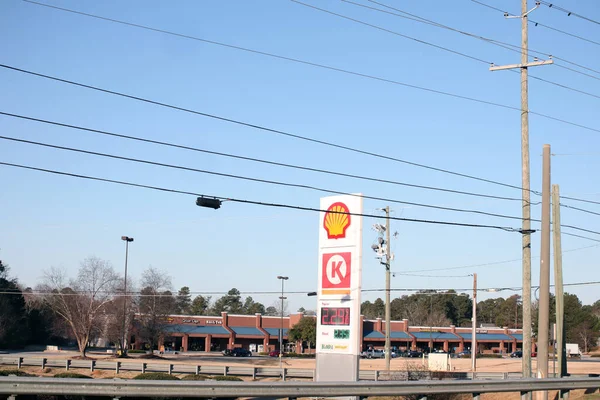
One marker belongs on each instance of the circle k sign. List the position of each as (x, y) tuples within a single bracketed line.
[(336, 271)]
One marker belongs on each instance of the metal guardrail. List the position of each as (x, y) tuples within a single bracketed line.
[(170, 368), (116, 388), (249, 371)]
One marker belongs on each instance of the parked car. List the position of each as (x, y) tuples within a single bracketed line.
[(414, 354), (274, 353), (237, 352), (516, 354), (464, 354), (373, 354)]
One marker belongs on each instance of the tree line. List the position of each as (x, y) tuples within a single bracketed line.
[(95, 304), (430, 308)]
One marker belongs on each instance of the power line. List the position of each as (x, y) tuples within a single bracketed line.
[(258, 160), (580, 209), (580, 200), (308, 63), (295, 136), (498, 43), (581, 237), (569, 13), (489, 263), (395, 33), (278, 183), (260, 180), (538, 23), (260, 203), (279, 132), (417, 18)]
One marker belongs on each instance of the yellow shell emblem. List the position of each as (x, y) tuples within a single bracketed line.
[(336, 221)]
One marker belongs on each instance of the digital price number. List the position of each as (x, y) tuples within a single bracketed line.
[(335, 316), (341, 333)]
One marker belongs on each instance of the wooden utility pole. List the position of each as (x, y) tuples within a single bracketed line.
[(525, 176), (558, 282), (474, 327), (544, 302), (388, 313)]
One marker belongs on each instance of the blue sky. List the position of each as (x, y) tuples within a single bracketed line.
[(58, 221)]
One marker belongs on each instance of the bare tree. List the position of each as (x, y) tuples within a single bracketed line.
[(155, 304), (81, 302)]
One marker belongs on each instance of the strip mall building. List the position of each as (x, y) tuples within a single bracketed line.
[(261, 333)]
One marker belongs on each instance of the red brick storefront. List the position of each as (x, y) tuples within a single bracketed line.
[(261, 333)]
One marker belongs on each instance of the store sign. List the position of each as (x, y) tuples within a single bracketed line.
[(339, 284), (214, 322)]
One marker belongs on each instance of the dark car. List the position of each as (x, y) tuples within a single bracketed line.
[(238, 352), (516, 354), (414, 354)]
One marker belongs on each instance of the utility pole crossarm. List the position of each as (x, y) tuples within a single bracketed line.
[(526, 65)]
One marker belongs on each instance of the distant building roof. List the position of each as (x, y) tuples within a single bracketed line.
[(435, 335), (190, 329), (487, 336)]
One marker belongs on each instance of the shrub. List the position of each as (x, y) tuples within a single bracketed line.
[(194, 378), (136, 351), (72, 375), (156, 376), (489, 355), (595, 355), (297, 355), (17, 372), (263, 353), (226, 378)]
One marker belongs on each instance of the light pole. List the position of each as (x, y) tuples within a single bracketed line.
[(127, 239), (283, 279)]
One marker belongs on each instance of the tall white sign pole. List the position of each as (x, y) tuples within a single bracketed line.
[(338, 301)]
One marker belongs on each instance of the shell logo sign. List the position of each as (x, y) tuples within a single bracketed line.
[(337, 220)]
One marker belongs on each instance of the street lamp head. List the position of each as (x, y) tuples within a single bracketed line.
[(285, 278), (127, 238), (311, 293)]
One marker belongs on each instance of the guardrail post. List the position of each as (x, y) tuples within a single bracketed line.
[(67, 364), (422, 397), (12, 397), (505, 375), (475, 396), (283, 374), (197, 370), (564, 394), (170, 369), (92, 365), (44, 363), (19, 362), (225, 370), (144, 365), (254, 373), (376, 375), (117, 367), (524, 395)]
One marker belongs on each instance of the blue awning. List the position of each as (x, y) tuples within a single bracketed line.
[(246, 330), (275, 332), (373, 335)]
